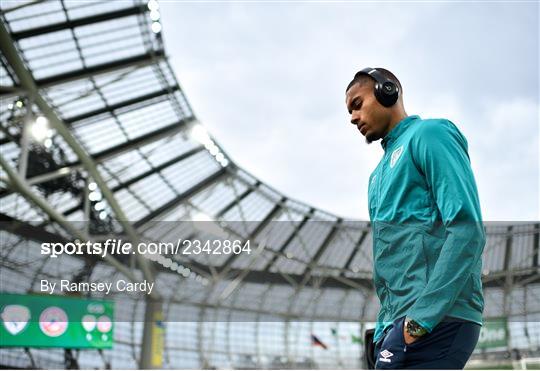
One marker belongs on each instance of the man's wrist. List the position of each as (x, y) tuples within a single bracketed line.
[(414, 329)]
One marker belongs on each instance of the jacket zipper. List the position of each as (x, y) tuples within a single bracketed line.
[(379, 180), (378, 203)]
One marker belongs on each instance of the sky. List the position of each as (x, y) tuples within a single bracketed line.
[(268, 82)]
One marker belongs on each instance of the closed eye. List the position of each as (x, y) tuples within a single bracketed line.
[(355, 105)]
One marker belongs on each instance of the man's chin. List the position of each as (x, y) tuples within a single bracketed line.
[(370, 138)]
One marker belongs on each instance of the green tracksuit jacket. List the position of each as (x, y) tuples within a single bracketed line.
[(428, 235)]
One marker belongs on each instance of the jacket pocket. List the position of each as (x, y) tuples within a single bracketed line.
[(383, 293), (478, 295), (472, 292), (432, 249)]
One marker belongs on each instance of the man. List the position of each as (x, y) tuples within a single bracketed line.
[(428, 235)]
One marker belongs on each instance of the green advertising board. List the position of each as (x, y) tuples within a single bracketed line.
[(55, 322), (494, 334)]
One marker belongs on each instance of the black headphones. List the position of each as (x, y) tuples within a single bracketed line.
[(386, 91)]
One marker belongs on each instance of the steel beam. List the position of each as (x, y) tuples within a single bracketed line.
[(506, 267), (158, 168), (153, 336), (236, 200), (119, 105), (20, 6), (355, 250), (28, 231), (102, 156), (7, 91), (44, 205), (136, 61), (290, 239), (228, 263), (165, 132), (329, 237), (71, 24), (63, 172), (27, 82), (536, 246), (183, 196), (257, 276)]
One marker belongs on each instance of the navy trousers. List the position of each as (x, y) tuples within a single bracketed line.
[(448, 346)]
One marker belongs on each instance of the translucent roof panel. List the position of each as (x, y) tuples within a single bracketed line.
[(114, 104), (106, 77)]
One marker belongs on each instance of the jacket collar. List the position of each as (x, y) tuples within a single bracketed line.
[(398, 130)]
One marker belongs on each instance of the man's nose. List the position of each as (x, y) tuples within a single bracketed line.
[(355, 118)]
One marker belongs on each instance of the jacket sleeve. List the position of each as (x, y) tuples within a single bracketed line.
[(440, 153)]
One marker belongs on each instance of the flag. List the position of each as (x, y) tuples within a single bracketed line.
[(317, 343), (356, 339)]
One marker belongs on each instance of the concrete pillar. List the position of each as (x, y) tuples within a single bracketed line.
[(153, 335)]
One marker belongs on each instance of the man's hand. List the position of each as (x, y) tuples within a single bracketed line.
[(408, 338)]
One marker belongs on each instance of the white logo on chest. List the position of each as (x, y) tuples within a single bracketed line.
[(395, 156), (386, 355)]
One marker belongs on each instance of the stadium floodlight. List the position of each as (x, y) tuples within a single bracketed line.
[(40, 129), (154, 15), (211, 145), (202, 217), (199, 133), (103, 215), (95, 196), (214, 150), (160, 258), (100, 205), (153, 5), (151, 256), (92, 186), (156, 27)]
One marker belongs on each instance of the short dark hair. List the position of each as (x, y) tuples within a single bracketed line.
[(362, 78)]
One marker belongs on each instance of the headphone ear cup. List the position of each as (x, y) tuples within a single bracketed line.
[(386, 93)]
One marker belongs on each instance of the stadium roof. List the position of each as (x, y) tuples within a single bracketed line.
[(121, 124), (124, 149)]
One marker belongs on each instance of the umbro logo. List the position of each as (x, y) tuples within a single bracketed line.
[(395, 156), (386, 354)]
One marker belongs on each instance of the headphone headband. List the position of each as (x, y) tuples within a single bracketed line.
[(373, 73), (386, 91)]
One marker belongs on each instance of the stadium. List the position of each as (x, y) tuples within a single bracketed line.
[(108, 176)]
